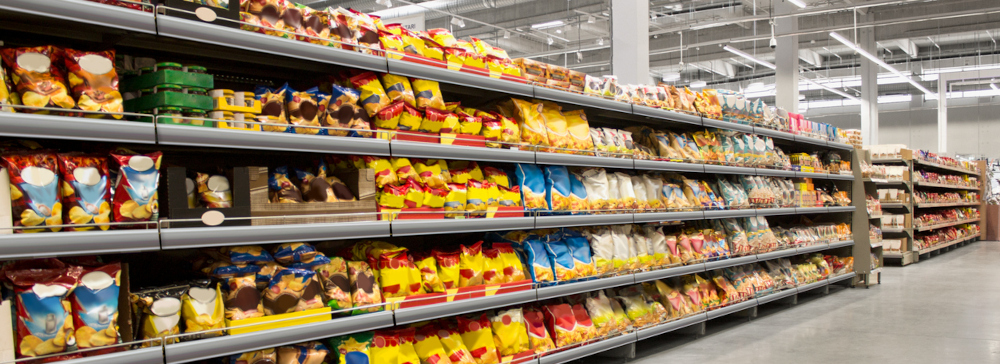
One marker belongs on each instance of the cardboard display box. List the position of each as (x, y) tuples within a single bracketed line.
[(175, 206), (362, 185)]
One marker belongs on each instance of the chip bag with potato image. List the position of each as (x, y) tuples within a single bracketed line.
[(34, 190), (35, 79), (44, 323), (95, 306), (138, 180)]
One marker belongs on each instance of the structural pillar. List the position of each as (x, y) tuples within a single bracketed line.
[(786, 58), (869, 85), (630, 41)]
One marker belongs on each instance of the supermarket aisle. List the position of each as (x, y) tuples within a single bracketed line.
[(941, 310)]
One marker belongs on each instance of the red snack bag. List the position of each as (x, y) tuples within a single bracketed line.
[(388, 117), (42, 308), (478, 337), (86, 190), (561, 322), (34, 190), (94, 82), (469, 124), (37, 77), (449, 270), (539, 337), (135, 194), (439, 121), (585, 329), (95, 306), (414, 194)]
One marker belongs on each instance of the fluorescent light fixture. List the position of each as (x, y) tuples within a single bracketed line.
[(879, 62), (802, 97), (558, 31), (506, 34), (671, 76), (747, 56), (838, 92), (600, 41), (798, 3), (891, 99), (459, 22), (994, 87), (591, 19), (755, 86), (698, 84), (550, 41), (386, 3), (548, 24)]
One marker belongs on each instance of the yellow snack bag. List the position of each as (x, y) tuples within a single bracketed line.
[(404, 169), (469, 124), (492, 130), (407, 351), (513, 270), (449, 267), (530, 122), (397, 88), (428, 346), (392, 196), (456, 199), (497, 176), (478, 337), (384, 172), (511, 131), (202, 308), (471, 264), (579, 130), (510, 332), (388, 117), (394, 275), (438, 121), (428, 272), (430, 172), (463, 171), (478, 197), (555, 125), (510, 197), (442, 37), (454, 346), (427, 93), (385, 347), (414, 197), (410, 118), (493, 267), (435, 197), (412, 43), (373, 97)]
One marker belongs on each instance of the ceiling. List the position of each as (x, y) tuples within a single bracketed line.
[(912, 35)]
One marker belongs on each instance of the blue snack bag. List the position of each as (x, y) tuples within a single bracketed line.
[(536, 259), (561, 257), (557, 188), (532, 183), (578, 195), (582, 258)]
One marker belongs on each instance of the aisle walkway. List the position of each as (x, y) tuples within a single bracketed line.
[(942, 310)]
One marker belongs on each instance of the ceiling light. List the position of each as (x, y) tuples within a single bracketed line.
[(798, 3), (386, 3), (459, 22), (698, 84), (506, 34), (994, 87), (550, 41), (671, 76), (548, 24), (600, 41), (755, 86), (802, 97), (889, 68), (838, 92), (747, 56), (579, 56), (591, 19)]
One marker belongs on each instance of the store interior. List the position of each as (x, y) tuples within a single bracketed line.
[(497, 181)]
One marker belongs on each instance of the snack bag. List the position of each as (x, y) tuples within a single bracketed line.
[(561, 322), (86, 190), (579, 130), (469, 124), (432, 172), (428, 346), (95, 306), (456, 200), (411, 118), (580, 249), (202, 308), (595, 183), (538, 336), (438, 121), (286, 290), (478, 197), (397, 88), (352, 349), (428, 272), (561, 258), (555, 126), (385, 174), (336, 285), (213, 191), (388, 117), (463, 171), (531, 123), (497, 176), (94, 82), (454, 346), (510, 332), (393, 274), (303, 110), (557, 188), (471, 264), (272, 108), (138, 180), (159, 311), (391, 42), (601, 314), (513, 270), (585, 329), (34, 190), (603, 247), (578, 202), (428, 94), (407, 351), (364, 287), (268, 355), (373, 97), (307, 353), (435, 197), (510, 197), (492, 130), (449, 268), (535, 253), (385, 347), (281, 189), (478, 337), (38, 83)]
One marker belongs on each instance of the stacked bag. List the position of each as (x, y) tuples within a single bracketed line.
[(37, 77)]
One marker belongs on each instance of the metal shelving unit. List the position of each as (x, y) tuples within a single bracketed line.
[(906, 255)]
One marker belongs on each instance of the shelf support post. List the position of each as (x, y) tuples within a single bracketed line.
[(630, 41)]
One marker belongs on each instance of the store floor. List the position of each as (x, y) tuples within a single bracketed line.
[(945, 309)]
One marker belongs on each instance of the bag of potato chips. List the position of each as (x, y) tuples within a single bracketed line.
[(414, 197), (532, 184), (373, 97), (138, 181), (471, 264), (454, 346), (438, 121), (493, 266), (35, 190), (94, 82), (478, 198), (510, 332), (95, 307), (397, 88), (538, 335), (388, 117), (456, 200), (202, 308), (449, 268), (428, 94), (478, 337), (352, 349), (531, 123), (428, 272), (36, 80), (384, 172), (561, 322)]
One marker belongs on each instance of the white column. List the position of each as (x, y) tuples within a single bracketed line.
[(787, 59), (630, 41), (869, 87), (942, 134)]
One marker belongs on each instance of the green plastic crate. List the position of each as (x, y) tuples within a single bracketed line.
[(171, 77), (162, 99)]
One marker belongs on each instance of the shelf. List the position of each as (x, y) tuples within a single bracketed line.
[(152, 355), (197, 31), (668, 166), (63, 243), (875, 180), (876, 245), (671, 326), (438, 310), (587, 350), (808, 140), (582, 100), (812, 248), (666, 115), (667, 216), (888, 160), (86, 12), (811, 210), (893, 183), (24, 125), (773, 133), (227, 345), (812, 286), (716, 169), (776, 211), (842, 277), (945, 245), (894, 230), (947, 224), (892, 255), (776, 296), (774, 172), (928, 205), (546, 222), (731, 262), (191, 238), (841, 244), (839, 145), (894, 205), (713, 123), (413, 69), (669, 272), (941, 185), (777, 254), (811, 175), (582, 160), (716, 313), (842, 177), (440, 151), (455, 226), (585, 286), (841, 208), (224, 138), (722, 214), (943, 167)]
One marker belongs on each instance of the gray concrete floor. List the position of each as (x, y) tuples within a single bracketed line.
[(945, 309)]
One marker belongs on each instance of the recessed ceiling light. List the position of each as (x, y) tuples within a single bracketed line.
[(798, 3), (698, 84), (548, 24), (550, 40)]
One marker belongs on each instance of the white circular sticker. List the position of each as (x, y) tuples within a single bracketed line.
[(205, 14), (96, 64), (140, 163), (97, 280), (37, 176), (34, 62), (213, 218), (189, 184), (166, 306), (89, 176), (202, 295), (218, 183), (44, 291)]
